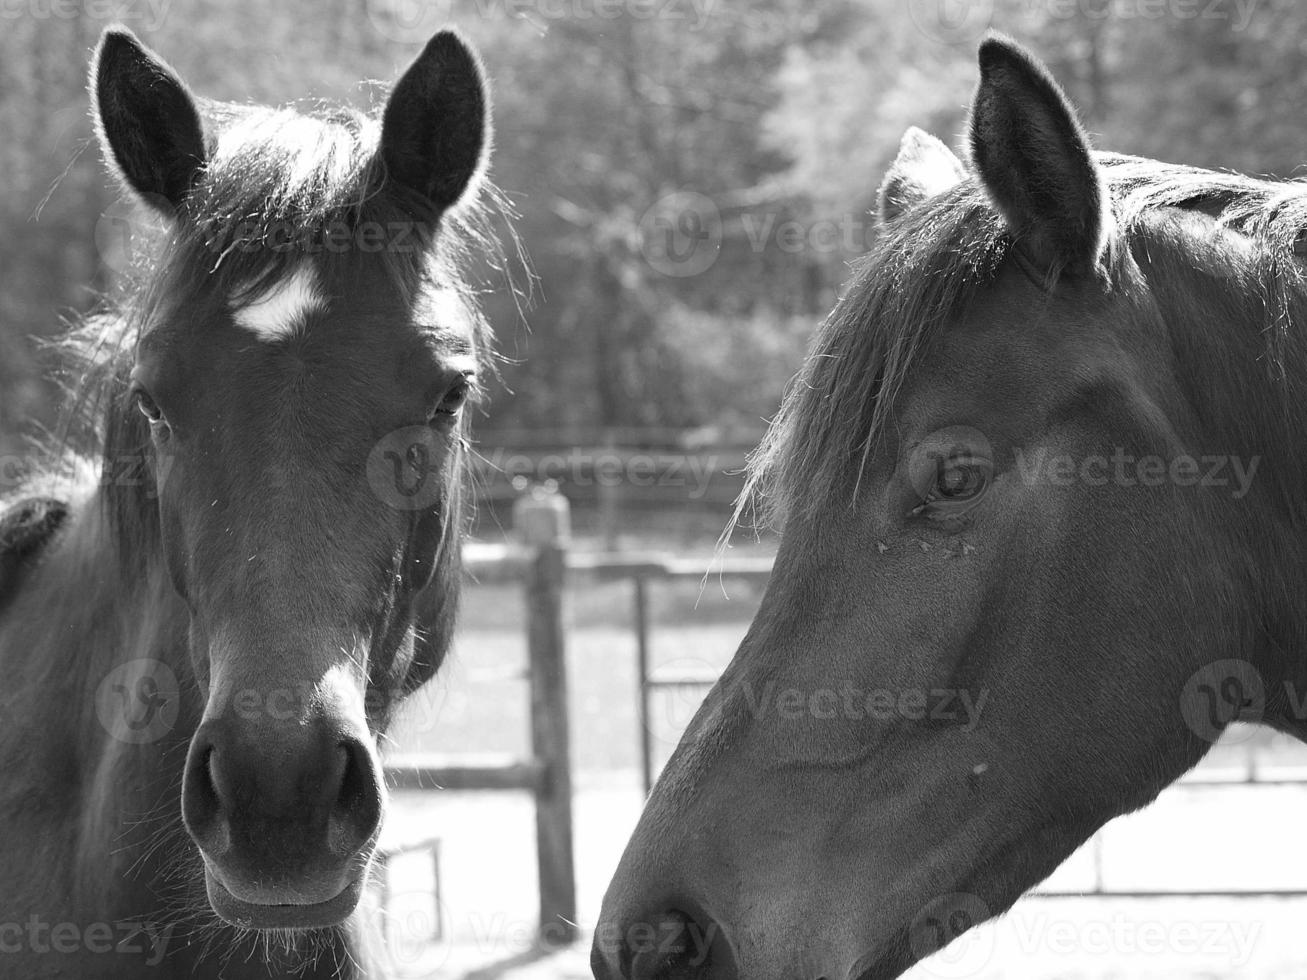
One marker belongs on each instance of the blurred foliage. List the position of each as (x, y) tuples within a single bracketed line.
[(782, 114)]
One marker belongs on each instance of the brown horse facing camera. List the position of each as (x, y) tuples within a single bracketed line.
[(1045, 459), (202, 641)]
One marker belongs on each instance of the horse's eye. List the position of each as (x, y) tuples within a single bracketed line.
[(147, 406), (455, 398), (958, 486), (960, 482)]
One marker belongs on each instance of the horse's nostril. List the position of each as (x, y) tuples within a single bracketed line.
[(354, 786), (202, 800), (206, 780), (230, 790), (674, 946), (357, 813)]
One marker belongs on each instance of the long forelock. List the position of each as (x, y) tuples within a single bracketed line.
[(919, 272), (926, 267)]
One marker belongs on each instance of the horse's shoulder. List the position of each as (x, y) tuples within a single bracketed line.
[(26, 527)]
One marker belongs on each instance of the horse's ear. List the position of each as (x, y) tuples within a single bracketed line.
[(924, 167), (149, 128), (435, 129), (1036, 162)]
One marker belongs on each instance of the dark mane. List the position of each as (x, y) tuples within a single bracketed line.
[(278, 182), (926, 267)]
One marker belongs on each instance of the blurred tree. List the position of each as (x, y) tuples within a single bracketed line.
[(605, 123), (747, 138)]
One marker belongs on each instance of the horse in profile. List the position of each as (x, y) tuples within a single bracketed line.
[(211, 608), (1040, 483)]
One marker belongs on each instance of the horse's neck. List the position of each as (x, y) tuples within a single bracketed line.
[(73, 624), (84, 612)]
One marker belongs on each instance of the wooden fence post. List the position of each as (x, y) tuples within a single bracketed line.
[(644, 693), (542, 522), (608, 492)]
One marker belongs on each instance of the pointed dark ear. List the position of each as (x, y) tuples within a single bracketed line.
[(435, 130), (149, 128), (924, 167), (1035, 161)]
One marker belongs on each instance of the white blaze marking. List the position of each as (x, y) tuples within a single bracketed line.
[(279, 311)]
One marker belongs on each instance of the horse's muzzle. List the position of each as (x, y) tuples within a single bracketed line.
[(670, 945), (286, 815), (252, 915)]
